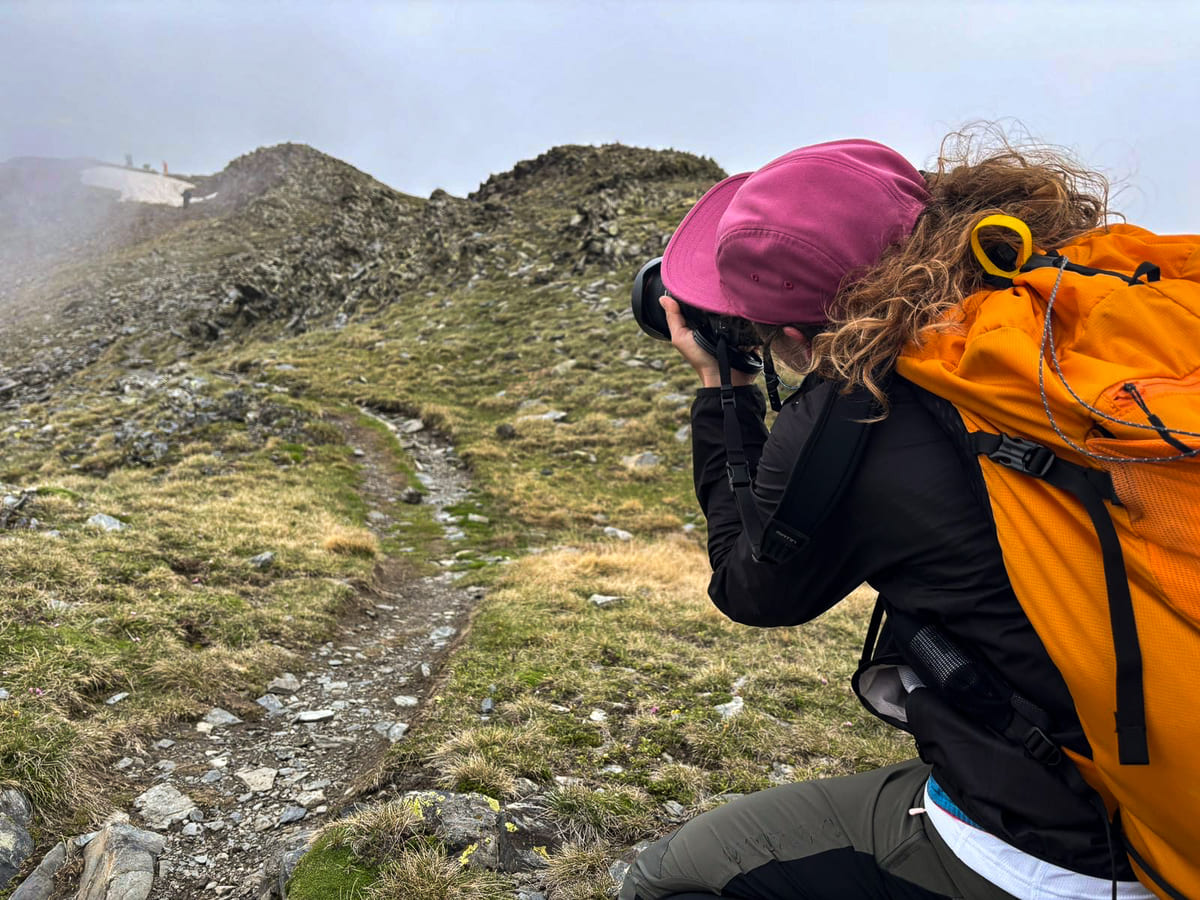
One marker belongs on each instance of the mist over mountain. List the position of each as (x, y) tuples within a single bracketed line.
[(289, 239)]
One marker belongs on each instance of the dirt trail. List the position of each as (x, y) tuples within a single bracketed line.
[(253, 789)]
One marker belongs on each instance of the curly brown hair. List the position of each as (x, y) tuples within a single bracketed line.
[(916, 283)]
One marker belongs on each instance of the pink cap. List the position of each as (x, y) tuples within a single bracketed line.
[(773, 246)]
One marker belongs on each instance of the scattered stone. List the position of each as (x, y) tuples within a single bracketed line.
[(604, 600), (40, 884), (411, 426), (488, 706), (271, 704), (412, 496), (405, 701), (257, 780), (683, 433), (315, 715), (617, 533), (106, 522), (217, 717), (162, 806), (478, 519), (16, 845), (443, 633), (730, 709), (116, 698), (287, 683), (293, 852), (309, 799), (618, 870), (292, 814), (193, 829), (524, 787), (645, 460), (397, 731), (782, 773), (164, 744), (262, 560), (597, 715)]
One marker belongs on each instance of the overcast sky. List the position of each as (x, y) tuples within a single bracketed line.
[(441, 94)]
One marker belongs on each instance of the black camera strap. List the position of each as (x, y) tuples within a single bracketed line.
[(737, 466), (771, 377)]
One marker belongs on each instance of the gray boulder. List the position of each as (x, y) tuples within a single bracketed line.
[(16, 845), (119, 864), (466, 823), (40, 885)]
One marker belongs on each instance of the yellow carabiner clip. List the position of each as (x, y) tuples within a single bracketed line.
[(1012, 223)]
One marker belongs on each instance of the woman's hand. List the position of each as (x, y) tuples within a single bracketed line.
[(701, 360)]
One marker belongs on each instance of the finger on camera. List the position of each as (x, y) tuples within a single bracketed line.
[(675, 320)]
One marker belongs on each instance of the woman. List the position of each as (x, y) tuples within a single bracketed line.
[(840, 254)]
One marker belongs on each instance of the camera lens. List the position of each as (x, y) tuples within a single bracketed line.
[(647, 311)]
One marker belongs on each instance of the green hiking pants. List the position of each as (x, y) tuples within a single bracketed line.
[(835, 839)]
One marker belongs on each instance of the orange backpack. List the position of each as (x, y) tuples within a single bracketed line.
[(1080, 385)]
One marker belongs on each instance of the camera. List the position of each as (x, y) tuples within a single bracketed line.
[(708, 327)]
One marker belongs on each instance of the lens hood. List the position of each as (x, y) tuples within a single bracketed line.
[(647, 311), (648, 287)]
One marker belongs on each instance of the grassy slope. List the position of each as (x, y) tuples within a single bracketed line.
[(175, 595), (655, 664)]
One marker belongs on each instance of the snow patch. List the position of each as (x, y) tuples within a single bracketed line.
[(139, 187)]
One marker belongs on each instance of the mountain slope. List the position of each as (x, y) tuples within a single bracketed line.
[(195, 380)]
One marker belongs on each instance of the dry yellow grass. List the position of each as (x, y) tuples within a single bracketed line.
[(168, 610), (655, 665), (351, 542)]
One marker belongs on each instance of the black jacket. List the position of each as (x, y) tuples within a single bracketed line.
[(909, 525)]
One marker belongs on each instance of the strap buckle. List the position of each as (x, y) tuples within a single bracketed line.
[(739, 475), (1040, 748), (1023, 455)]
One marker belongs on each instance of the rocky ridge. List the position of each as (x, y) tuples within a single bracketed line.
[(295, 240)]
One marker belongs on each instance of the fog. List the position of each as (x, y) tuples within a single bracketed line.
[(425, 95), (441, 94)]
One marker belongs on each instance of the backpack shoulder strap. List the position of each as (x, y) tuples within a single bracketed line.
[(820, 475)]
